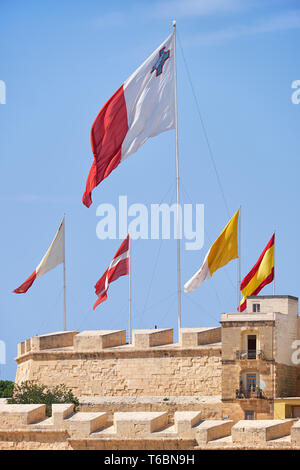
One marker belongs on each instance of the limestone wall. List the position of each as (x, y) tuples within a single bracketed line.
[(285, 334), (235, 409), (162, 370), (285, 304), (207, 407), (286, 381), (159, 373), (234, 334)]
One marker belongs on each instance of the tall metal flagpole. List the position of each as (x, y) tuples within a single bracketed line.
[(177, 191), (129, 296), (239, 264), (274, 267), (65, 308)]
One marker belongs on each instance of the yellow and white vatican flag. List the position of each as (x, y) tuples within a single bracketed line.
[(224, 249)]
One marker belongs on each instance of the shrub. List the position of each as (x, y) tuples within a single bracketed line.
[(30, 392), (6, 388)]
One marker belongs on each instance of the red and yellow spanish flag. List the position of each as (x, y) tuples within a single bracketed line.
[(260, 275)]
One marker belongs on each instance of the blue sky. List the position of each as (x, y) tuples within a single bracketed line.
[(61, 61)]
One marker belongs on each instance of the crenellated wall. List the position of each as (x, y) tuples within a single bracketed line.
[(100, 363)]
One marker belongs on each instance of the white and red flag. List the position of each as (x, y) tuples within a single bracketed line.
[(143, 107), (117, 268), (54, 256)]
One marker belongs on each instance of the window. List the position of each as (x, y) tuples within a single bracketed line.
[(296, 411), (256, 308), (249, 414), (251, 382), (251, 346)]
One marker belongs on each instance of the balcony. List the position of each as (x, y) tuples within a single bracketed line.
[(250, 393), (251, 354)]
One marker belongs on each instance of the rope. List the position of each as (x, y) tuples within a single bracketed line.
[(204, 129), (203, 308), (154, 271), (160, 302), (50, 309)]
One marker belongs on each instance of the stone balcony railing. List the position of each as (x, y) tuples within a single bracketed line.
[(241, 393), (250, 354)]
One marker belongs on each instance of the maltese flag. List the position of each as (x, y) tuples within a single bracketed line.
[(117, 268), (143, 107), (54, 256)]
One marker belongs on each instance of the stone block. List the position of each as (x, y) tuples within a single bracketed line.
[(83, 424), (21, 415), (295, 433), (21, 348), (134, 424), (60, 412), (97, 340), (193, 337), (211, 429), (143, 339), (185, 421), (260, 431), (58, 339), (27, 345)]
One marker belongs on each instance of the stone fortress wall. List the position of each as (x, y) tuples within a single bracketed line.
[(157, 394), (100, 363)]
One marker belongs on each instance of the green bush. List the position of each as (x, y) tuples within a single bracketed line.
[(6, 388), (30, 392)]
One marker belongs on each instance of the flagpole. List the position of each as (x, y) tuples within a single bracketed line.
[(129, 296), (177, 191), (274, 267), (239, 263), (65, 308)]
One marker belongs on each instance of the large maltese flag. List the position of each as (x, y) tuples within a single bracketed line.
[(143, 107)]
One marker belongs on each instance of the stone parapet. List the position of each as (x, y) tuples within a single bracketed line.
[(138, 430), (143, 339), (193, 337), (96, 340), (60, 339), (12, 416), (295, 433), (139, 423), (210, 430), (257, 432)]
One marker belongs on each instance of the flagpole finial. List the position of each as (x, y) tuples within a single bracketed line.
[(174, 23)]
